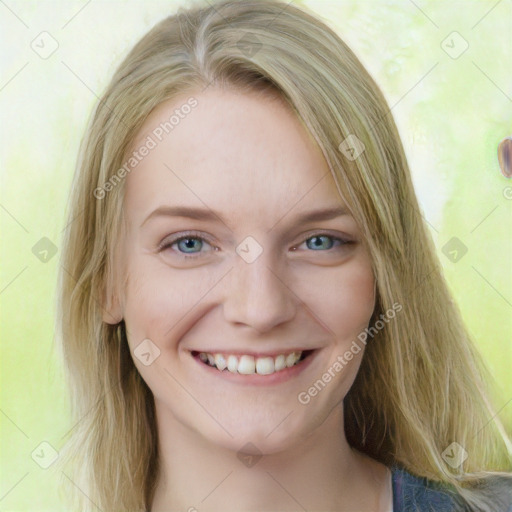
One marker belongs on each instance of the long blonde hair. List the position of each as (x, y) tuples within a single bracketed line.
[(421, 385)]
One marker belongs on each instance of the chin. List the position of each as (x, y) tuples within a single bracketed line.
[(269, 433)]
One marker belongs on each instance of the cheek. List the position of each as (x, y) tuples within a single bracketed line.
[(342, 299), (148, 301), (158, 298)]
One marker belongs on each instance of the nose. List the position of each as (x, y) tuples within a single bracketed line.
[(258, 296)]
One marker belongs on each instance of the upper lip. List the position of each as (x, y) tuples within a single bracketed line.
[(259, 353)]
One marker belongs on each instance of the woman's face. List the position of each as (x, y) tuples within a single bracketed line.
[(253, 278)]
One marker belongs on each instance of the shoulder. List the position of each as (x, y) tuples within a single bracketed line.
[(415, 493), (419, 494)]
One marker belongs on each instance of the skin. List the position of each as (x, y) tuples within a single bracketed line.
[(248, 158)]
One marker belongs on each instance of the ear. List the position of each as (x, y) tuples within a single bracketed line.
[(112, 312)]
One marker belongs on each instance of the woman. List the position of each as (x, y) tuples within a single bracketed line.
[(252, 315)]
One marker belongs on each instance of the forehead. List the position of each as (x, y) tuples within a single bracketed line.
[(238, 151)]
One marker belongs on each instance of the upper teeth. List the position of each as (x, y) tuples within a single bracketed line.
[(248, 365)]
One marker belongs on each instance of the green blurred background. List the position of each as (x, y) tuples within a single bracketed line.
[(445, 68)]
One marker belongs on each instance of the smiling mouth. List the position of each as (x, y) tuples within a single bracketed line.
[(250, 365)]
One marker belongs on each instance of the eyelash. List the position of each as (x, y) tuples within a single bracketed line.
[(194, 235)]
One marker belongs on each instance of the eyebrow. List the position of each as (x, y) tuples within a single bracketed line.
[(210, 215)]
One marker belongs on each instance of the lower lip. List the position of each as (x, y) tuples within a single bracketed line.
[(256, 379)]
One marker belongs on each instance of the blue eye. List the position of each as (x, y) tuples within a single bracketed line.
[(186, 245), (189, 245), (316, 245)]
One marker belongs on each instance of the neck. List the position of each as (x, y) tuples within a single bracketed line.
[(321, 472)]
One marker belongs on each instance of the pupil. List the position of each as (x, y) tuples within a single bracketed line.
[(317, 241), (189, 243)]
